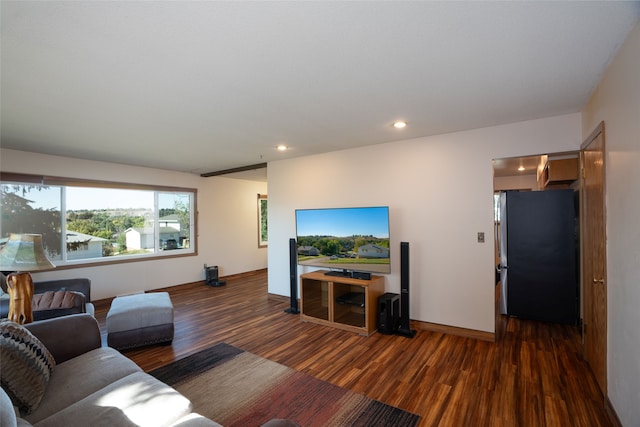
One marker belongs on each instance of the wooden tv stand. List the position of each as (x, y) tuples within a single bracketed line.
[(341, 302)]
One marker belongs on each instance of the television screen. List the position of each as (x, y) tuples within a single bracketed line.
[(351, 239)]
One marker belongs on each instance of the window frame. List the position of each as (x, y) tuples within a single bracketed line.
[(46, 180)]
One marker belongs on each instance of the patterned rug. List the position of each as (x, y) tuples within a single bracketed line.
[(236, 388)]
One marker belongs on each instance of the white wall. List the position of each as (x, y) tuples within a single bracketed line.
[(440, 193), (227, 224), (616, 101), (519, 182)]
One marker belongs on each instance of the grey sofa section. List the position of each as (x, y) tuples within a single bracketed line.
[(81, 285), (97, 386)]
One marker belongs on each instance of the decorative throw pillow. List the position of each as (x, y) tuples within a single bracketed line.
[(56, 300), (26, 366)]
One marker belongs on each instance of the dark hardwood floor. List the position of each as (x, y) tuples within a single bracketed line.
[(533, 375)]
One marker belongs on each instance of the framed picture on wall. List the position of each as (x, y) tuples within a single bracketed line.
[(263, 230)]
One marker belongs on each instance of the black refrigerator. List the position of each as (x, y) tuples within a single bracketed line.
[(539, 255)]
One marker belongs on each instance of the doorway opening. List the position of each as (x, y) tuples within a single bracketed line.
[(535, 173)]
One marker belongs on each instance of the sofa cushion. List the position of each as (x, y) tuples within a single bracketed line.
[(26, 366), (7, 412), (135, 400), (81, 376), (56, 300)]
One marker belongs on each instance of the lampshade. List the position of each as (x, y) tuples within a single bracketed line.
[(24, 252)]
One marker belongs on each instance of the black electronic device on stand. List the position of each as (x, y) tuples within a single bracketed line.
[(211, 276)]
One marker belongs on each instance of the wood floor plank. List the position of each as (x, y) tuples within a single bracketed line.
[(533, 375)]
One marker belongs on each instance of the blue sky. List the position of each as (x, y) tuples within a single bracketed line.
[(343, 222), (79, 198), (104, 198)]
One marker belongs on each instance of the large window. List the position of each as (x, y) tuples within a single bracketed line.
[(85, 221)]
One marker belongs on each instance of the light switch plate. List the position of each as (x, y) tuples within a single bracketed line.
[(480, 236)]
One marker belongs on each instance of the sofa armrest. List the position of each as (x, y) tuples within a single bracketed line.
[(4, 306), (69, 336)]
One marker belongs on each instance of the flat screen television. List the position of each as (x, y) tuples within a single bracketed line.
[(345, 240)]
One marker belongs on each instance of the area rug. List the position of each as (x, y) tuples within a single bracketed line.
[(236, 388)]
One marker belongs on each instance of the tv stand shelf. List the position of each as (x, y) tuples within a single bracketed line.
[(341, 302)]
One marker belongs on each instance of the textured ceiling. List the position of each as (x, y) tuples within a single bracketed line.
[(509, 167), (205, 86)]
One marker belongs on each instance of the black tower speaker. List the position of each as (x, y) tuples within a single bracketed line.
[(405, 328), (388, 313), (293, 277)]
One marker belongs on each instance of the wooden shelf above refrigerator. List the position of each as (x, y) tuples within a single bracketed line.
[(560, 171)]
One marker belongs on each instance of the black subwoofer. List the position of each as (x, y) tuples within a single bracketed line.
[(388, 313)]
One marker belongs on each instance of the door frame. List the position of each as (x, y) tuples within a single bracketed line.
[(587, 281)]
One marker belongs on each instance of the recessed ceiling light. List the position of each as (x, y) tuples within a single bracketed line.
[(400, 124), (282, 147), (521, 169)]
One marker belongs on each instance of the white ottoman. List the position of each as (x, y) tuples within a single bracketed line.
[(139, 320)]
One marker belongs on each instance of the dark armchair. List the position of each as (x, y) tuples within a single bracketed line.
[(76, 294)]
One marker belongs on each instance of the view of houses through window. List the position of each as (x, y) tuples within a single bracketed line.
[(99, 223)]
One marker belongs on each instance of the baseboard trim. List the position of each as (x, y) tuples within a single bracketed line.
[(454, 330), (278, 298), (203, 282), (426, 326), (611, 412), (244, 274)]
